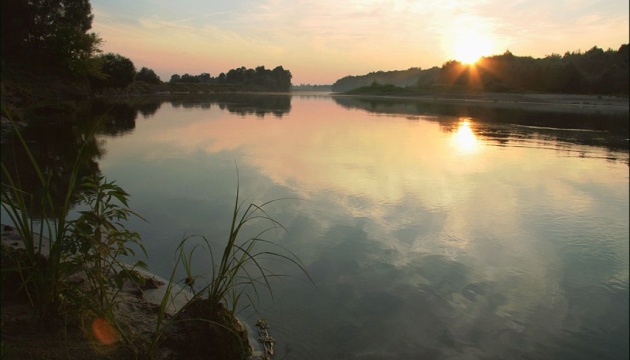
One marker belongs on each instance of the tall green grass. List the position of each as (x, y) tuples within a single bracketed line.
[(241, 267), (87, 249), (92, 245), (42, 271), (237, 276)]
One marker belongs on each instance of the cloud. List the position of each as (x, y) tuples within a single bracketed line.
[(328, 39)]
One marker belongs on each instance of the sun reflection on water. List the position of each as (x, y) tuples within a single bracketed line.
[(464, 137)]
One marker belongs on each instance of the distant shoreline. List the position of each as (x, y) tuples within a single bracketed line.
[(566, 103)]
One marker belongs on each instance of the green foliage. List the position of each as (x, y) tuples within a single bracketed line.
[(53, 34), (260, 78), (57, 252), (203, 78), (240, 267), (593, 72), (206, 321), (117, 71), (147, 75), (97, 240), (42, 269), (78, 264), (400, 78)]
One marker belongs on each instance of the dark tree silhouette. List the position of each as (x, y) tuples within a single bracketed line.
[(593, 72), (52, 34), (260, 78), (147, 75), (117, 72)]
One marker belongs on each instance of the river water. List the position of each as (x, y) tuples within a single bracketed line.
[(429, 232)]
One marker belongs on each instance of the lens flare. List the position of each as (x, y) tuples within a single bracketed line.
[(103, 331)]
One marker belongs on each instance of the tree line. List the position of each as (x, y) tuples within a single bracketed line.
[(595, 71), (277, 79), (53, 37), (401, 78), (592, 72)]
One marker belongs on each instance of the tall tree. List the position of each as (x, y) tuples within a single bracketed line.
[(282, 77), (147, 75), (117, 72), (53, 33)]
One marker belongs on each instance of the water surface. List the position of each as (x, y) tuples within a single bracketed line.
[(428, 234)]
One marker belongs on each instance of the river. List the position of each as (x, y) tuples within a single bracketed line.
[(428, 232)]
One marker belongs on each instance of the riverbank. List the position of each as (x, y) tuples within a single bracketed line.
[(562, 103), (79, 337)]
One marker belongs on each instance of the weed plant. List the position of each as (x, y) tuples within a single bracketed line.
[(56, 249), (82, 266), (97, 240), (42, 268), (240, 271)]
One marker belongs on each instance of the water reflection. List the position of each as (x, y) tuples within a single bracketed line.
[(114, 119), (57, 144), (464, 137), (237, 103), (441, 237), (582, 127)]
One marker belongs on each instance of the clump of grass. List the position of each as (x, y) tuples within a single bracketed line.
[(56, 249), (206, 324), (240, 268), (91, 247), (42, 268)]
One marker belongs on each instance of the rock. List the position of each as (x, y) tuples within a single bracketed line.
[(203, 330), (151, 283)]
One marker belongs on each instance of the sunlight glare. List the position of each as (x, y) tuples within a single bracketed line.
[(464, 137), (470, 46)]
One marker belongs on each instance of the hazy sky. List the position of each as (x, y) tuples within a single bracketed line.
[(320, 41)]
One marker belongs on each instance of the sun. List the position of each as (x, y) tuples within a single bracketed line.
[(469, 46)]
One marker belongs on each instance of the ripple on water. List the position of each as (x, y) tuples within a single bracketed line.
[(597, 322)]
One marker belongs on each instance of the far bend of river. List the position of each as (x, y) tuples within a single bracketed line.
[(428, 234)]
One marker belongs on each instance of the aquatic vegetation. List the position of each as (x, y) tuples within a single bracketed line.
[(97, 240), (42, 267), (67, 268), (74, 270), (206, 323)]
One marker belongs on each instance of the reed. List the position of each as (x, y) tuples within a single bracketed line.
[(77, 263), (241, 267), (207, 319), (72, 265), (41, 266)]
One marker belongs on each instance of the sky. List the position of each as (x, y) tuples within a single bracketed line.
[(321, 41)]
